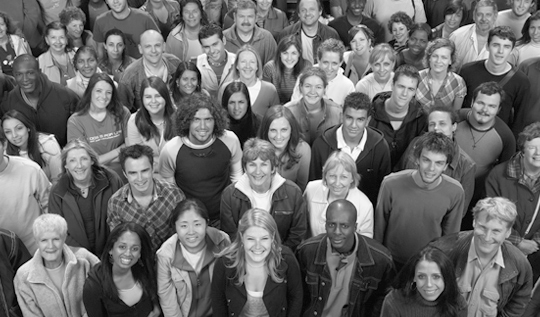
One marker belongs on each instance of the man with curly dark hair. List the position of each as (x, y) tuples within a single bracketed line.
[(204, 157)]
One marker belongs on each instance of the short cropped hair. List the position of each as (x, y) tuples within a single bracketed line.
[(331, 45), (256, 148), (340, 158), (49, 222), (209, 30), (489, 88), (499, 208), (314, 71), (503, 32), (531, 132), (446, 109), (486, 3), (245, 5), (136, 151), (434, 142), (406, 70), (358, 101)]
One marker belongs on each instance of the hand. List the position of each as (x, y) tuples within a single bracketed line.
[(528, 246)]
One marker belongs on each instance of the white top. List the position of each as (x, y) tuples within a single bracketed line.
[(342, 145), (337, 89), (369, 86), (131, 296)]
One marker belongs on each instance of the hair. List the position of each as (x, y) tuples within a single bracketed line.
[(499, 208), (49, 222), (319, 4), (441, 43), (455, 6), (435, 142), (245, 5), (290, 157), (69, 14), (420, 27), (489, 88), (486, 3), (115, 107), (77, 144), (135, 151), (209, 30), (193, 103), (3, 139), (358, 101), (283, 45), (339, 158), (33, 147), (184, 3), (446, 109), (248, 48), (235, 253), (406, 70), (143, 270), (180, 70), (400, 17), (56, 25), (233, 88), (314, 71), (503, 32), (117, 32), (85, 49), (255, 148), (186, 205), (364, 29), (531, 132), (525, 36), (8, 22), (331, 45), (448, 304), (380, 51), (143, 121)]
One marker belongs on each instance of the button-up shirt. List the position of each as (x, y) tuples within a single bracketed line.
[(353, 152)]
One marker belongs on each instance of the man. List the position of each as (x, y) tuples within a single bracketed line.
[(24, 194), (216, 64), (514, 111), (354, 15), (309, 31), (471, 39), (48, 105), (516, 16), (365, 145), (204, 158), (344, 273), (330, 55), (492, 274), (245, 31), (133, 22), (144, 200), (397, 114), (443, 119), (417, 206), (154, 62), (517, 180)]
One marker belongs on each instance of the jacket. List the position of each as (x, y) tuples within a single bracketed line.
[(275, 21), (288, 209), (177, 43), (324, 32), (261, 40), (515, 278), (37, 294), (174, 284), (372, 275), (373, 163), (20, 46), (208, 77), (280, 299), (63, 202), (48, 67), (414, 123)]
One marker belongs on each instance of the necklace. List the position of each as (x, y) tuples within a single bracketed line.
[(218, 64), (475, 142)]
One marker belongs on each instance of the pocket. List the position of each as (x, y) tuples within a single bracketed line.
[(312, 281), (488, 306), (180, 284), (283, 218)]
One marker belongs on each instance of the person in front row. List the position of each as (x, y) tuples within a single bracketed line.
[(493, 275), (345, 273)]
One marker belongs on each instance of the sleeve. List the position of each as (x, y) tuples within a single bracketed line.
[(75, 130), (296, 95), (376, 299), (452, 220), (166, 289), (55, 207), (92, 292), (303, 169), (508, 139), (382, 212), (368, 8), (16, 250), (150, 23), (228, 224), (362, 86), (420, 13), (125, 118), (271, 49), (317, 161), (98, 33), (219, 281), (267, 72), (113, 218), (26, 297), (365, 220), (379, 34), (389, 307), (533, 308), (297, 230), (236, 158), (302, 262), (52, 154), (521, 293), (520, 105), (467, 182), (407, 161), (462, 87), (42, 190), (167, 160), (294, 286), (133, 135)]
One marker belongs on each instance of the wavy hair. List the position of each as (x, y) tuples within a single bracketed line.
[(192, 104), (33, 147), (143, 121), (180, 70), (441, 43), (525, 36), (77, 144), (183, 3), (56, 25)]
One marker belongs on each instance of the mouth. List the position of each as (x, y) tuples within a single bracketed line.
[(192, 239), (258, 252), (125, 261), (79, 172)]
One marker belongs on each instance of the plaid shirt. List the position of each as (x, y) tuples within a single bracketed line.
[(453, 86), (123, 208)]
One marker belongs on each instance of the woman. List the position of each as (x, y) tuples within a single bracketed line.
[(57, 61), (262, 187), (236, 102), (24, 140), (426, 286), (268, 17), (183, 40), (85, 62), (185, 262), (256, 275), (439, 85), (50, 284), (152, 125), (381, 61), (185, 81), (416, 47), (284, 70), (164, 12), (101, 121), (453, 19), (399, 25), (339, 181), (357, 60), (528, 45), (280, 128), (313, 84), (74, 20), (81, 196), (248, 69), (124, 284), (11, 45), (115, 60)]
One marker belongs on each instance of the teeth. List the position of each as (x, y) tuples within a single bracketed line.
[(125, 261)]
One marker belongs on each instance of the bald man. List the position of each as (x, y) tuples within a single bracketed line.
[(349, 272), (48, 105), (154, 62)]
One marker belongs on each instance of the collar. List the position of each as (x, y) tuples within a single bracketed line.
[(330, 252), (363, 253), (127, 194), (341, 140), (472, 255)]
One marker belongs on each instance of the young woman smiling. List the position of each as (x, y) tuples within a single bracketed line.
[(86, 64)]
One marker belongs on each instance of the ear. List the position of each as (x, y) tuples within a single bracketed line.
[(367, 120), (454, 127), (140, 49)]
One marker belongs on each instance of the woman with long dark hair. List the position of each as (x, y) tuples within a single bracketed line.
[(115, 60), (236, 102), (528, 46), (185, 81), (183, 40), (357, 59)]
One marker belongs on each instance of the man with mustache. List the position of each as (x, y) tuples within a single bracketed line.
[(244, 31)]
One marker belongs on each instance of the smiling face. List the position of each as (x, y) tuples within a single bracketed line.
[(521, 7), (257, 243), (309, 12), (400, 32), (3, 28), (382, 69), (201, 127), (153, 102), (247, 66), (26, 74), (245, 20), (531, 155), (341, 228), (237, 105), (57, 40), (264, 5), (139, 174), (101, 95), (260, 174), (126, 251), (279, 133), (485, 108), (50, 245), (79, 165), (356, 7), (418, 42), (290, 57), (329, 63), (453, 20), (339, 181), (499, 50), (187, 82), (151, 47), (75, 28), (485, 18), (431, 165), (534, 31), (16, 133), (115, 47), (192, 15), (118, 6), (312, 89), (489, 235), (440, 60), (429, 280), (87, 64), (360, 44), (214, 48), (354, 123), (191, 230)]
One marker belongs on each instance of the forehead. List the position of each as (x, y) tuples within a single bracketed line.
[(256, 231), (535, 141), (214, 38), (308, 4), (137, 164), (442, 51), (494, 99), (421, 33), (151, 38), (499, 40), (340, 214), (129, 237), (398, 25), (102, 85), (203, 113), (11, 122), (436, 116), (246, 11), (355, 113), (404, 80), (484, 219), (313, 80), (331, 56), (114, 38), (433, 156), (25, 65), (77, 153), (191, 6), (246, 55), (485, 10)]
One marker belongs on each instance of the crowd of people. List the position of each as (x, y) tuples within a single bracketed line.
[(269, 158)]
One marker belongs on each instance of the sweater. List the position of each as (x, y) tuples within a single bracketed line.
[(261, 40), (397, 305)]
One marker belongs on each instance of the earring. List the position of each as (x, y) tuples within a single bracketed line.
[(111, 260)]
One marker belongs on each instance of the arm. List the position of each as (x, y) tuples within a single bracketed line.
[(297, 230), (75, 130), (420, 13), (467, 182), (26, 297), (533, 308), (42, 189), (303, 169), (93, 303), (294, 285), (365, 224), (15, 249), (228, 223), (452, 220), (521, 294), (315, 166), (382, 213), (219, 281), (167, 164), (167, 289), (53, 157), (236, 159), (458, 103), (113, 218), (300, 256), (376, 299), (111, 156), (133, 134), (389, 307)]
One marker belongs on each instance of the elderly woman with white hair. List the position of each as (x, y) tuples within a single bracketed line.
[(339, 181), (51, 283)]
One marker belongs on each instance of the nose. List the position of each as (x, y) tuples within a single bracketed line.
[(429, 281), (78, 163), (49, 244), (139, 176), (431, 166), (487, 235), (404, 93)]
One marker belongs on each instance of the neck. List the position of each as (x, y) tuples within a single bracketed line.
[(195, 249), (380, 80), (54, 264), (313, 106), (249, 81), (439, 76), (96, 4), (394, 108), (120, 271), (96, 110), (245, 36), (57, 54), (262, 188), (158, 116), (420, 182), (147, 193), (34, 94), (82, 184), (497, 69), (192, 29), (353, 19), (332, 197), (477, 125), (353, 142), (24, 146), (122, 15), (480, 33), (154, 67), (310, 30)]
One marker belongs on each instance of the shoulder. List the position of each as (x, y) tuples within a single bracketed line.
[(303, 148), (311, 243), (230, 139), (268, 87), (81, 254), (23, 164), (379, 252), (450, 182)]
